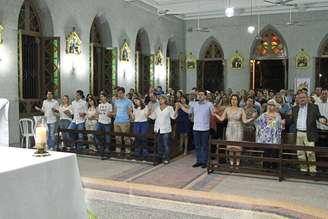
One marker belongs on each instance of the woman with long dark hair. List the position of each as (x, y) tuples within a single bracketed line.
[(140, 115), (91, 121), (234, 132), (183, 125)]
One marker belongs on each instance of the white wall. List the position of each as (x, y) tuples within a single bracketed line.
[(125, 19), (232, 35)]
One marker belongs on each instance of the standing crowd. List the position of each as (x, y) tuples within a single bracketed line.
[(261, 116)]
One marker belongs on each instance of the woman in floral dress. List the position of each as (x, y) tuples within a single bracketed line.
[(268, 130)]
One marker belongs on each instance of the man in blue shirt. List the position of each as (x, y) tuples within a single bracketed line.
[(202, 111), (122, 109)]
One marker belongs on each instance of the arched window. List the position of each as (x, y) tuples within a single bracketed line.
[(322, 65), (210, 68), (213, 51), (30, 29), (269, 45), (269, 61), (38, 56), (172, 66), (28, 19), (144, 63), (101, 65)]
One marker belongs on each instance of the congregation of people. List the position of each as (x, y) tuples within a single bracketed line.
[(260, 116)]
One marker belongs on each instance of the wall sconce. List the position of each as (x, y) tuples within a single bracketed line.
[(73, 64), (124, 75)]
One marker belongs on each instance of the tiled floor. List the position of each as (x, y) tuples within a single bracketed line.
[(135, 192)]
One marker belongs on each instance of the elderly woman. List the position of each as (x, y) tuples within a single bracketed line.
[(268, 129)]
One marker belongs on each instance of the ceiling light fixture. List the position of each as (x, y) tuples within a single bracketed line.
[(251, 28), (229, 11)]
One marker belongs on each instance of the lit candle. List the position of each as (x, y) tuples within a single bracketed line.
[(41, 135)]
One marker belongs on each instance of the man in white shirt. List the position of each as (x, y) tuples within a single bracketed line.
[(105, 112), (317, 95), (304, 118), (79, 110), (50, 108)]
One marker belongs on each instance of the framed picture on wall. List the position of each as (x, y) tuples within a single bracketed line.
[(301, 83), (236, 61), (191, 61), (302, 59)]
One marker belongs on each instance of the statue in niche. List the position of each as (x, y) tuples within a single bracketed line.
[(73, 43), (125, 52), (159, 57)]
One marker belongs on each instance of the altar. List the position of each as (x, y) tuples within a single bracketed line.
[(40, 187)]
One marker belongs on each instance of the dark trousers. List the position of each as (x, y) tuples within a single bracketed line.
[(141, 128), (105, 128), (201, 141)]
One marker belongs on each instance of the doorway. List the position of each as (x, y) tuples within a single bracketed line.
[(269, 74), (322, 72), (213, 75), (210, 70)]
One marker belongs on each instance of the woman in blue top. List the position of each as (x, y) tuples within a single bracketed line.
[(183, 125)]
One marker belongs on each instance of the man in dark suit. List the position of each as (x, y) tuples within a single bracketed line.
[(304, 118)]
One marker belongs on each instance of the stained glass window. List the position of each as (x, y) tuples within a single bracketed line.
[(213, 51), (270, 45), (28, 19), (114, 67), (95, 37)]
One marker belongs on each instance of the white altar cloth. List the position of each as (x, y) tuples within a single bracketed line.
[(39, 188)]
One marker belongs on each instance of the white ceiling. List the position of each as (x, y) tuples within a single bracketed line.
[(191, 9)]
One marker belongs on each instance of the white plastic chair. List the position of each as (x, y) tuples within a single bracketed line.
[(26, 127)]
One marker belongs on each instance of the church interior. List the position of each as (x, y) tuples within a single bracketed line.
[(163, 109)]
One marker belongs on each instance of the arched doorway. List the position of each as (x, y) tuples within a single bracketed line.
[(172, 66), (210, 68), (38, 57), (101, 68), (142, 62), (321, 70), (269, 61)]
